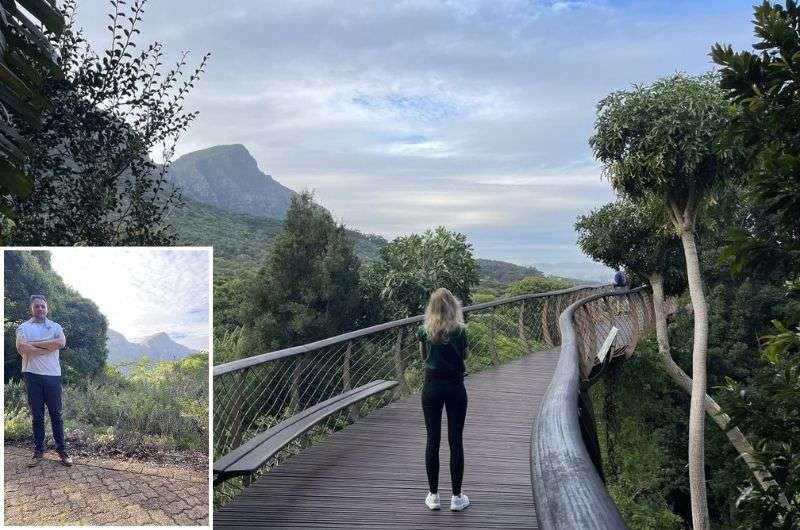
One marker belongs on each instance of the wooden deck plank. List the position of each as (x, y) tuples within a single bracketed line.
[(372, 474)]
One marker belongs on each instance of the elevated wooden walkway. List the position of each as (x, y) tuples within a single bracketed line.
[(372, 474)]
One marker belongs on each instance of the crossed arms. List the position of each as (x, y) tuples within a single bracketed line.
[(40, 347)]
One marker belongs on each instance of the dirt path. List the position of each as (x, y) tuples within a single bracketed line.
[(101, 492)]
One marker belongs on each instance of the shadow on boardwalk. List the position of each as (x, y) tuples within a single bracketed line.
[(372, 473), (101, 492)]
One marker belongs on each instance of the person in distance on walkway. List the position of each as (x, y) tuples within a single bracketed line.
[(444, 348)]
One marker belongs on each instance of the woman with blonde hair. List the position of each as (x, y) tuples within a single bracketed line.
[(443, 346)]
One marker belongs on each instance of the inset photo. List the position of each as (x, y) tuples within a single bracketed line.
[(106, 390)]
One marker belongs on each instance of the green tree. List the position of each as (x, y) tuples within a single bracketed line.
[(765, 87), (662, 142), (635, 236), (308, 287), (25, 48), (29, 272), (94, 182), (410, 268)]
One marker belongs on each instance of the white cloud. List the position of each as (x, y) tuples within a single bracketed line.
[(143, 291), (373, 102)]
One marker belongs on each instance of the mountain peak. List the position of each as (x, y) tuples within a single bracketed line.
[(158, 346), (228, 177)]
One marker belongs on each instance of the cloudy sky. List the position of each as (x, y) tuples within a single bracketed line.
[(403, 115), (143, 291)]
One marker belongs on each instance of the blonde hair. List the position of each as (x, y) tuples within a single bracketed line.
[(443, 315)]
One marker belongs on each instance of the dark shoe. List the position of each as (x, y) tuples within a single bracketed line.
[(65, 459), (35, 459)]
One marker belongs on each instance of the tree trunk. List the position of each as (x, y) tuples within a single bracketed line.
[(697, 472), (714, 411)]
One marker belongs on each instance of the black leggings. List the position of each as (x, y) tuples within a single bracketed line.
[(451, 394)]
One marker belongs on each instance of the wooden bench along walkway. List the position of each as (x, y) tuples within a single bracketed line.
[(372, 474), (247, 458)]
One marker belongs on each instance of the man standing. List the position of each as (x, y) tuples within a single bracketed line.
[(38, 342)]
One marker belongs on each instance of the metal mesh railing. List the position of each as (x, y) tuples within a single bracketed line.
[(255, 393), (566, 470), (630, 313)]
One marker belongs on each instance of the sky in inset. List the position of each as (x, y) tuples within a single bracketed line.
[(143, 291), (404, 115)]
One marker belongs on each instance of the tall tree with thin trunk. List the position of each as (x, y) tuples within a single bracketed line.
[(662, 142), (638, 237)]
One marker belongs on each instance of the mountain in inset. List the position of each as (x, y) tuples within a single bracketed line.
[(157, 347), (227, 177)]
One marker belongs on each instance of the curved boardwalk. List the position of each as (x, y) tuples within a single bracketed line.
[(372, 474)]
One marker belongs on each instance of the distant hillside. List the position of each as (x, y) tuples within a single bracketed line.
[(503, 272), (227, 177), (233, 206), (242, 240), (157, 347)]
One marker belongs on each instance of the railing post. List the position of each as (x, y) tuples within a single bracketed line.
[(546, 323), (492, 337), (588, 341), (238, 398), (355, 410), (633, 314), (523, 335), (399, 364), (297, 372)]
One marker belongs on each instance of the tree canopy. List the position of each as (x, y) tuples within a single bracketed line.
[(634, 236), (308, 286), (410, 268), (93, 179), (663, 140)]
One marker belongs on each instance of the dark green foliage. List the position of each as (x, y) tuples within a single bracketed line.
[(761, 395), (308, 287), (29, 272), (634, 236), (662, 141), (767, 408), (765, 86), (645, 439), (410, 268), (93, 180), (240, 241), (21, 98), (165, 403)]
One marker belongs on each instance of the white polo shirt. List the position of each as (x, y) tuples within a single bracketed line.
[(47, 364)]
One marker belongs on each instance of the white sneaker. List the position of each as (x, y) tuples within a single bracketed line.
[(459, 503), (432, 501)]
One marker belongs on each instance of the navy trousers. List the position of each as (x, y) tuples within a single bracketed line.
[(45, 390)]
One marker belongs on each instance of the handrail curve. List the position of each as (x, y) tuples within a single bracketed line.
[(566, 475)]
